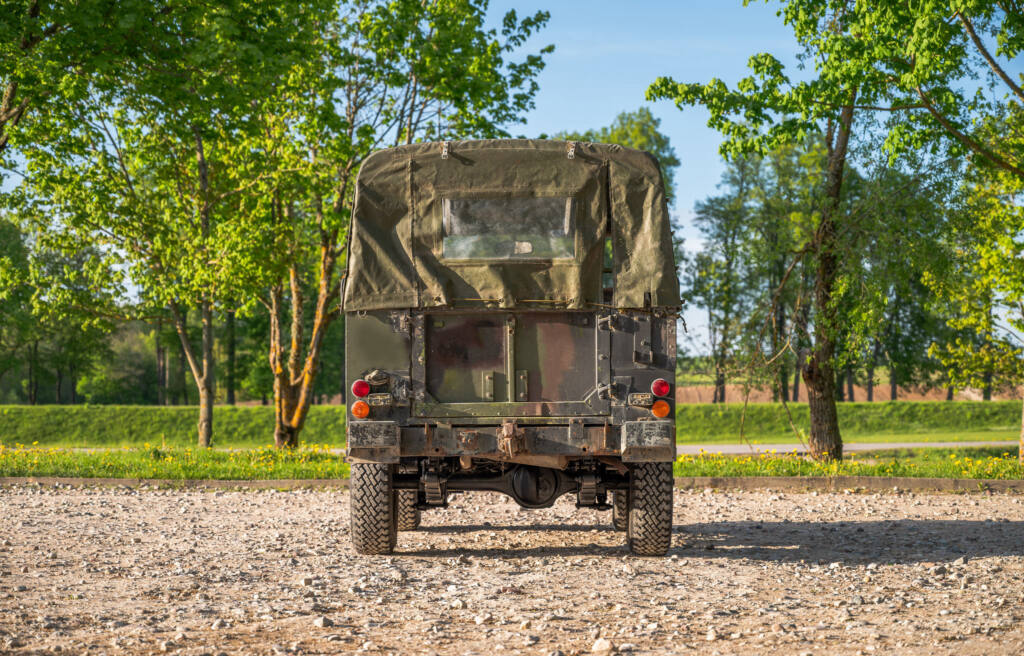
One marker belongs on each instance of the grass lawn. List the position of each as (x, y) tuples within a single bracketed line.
[(313, 461), (984, 435), (980, 463), (317, 461)]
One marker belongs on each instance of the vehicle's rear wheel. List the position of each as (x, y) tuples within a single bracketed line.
[(650, 508), (620, 510), (408, 513), (372, 510)]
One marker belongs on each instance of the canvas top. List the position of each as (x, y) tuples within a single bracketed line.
[(509, 223)]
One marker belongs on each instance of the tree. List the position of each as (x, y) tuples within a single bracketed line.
[(387, 73), (888, 56), (985, 284), (638, 129), (142, 166), (47, 50), (717, 277)]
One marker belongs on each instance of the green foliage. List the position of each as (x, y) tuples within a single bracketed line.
[(887, 55), (984, 283), (638, 129)]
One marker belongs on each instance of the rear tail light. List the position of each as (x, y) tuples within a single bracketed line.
[(360, 388), (660, 387), (660, 409), (360, 410)]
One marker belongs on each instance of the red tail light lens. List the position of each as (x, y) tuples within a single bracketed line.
[(660, 387), (360, 388)]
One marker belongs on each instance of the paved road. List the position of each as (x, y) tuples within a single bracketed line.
[(739, 449)]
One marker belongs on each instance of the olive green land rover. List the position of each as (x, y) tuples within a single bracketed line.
[(510, 312)]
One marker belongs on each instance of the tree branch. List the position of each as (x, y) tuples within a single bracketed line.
[(993, 64), (967, 141)]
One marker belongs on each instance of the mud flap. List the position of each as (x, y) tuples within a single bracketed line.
[(648, 441), (374, 441)]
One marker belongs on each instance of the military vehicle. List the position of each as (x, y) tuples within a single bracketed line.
[(510, 311)]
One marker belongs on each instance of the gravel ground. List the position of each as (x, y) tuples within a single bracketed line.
[(236, 572)]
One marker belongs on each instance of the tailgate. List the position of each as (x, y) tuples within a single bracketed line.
[(509, 364)]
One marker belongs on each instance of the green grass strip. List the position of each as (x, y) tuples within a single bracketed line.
[(251, 426), (176, 463), (980, 463), (317, 461)]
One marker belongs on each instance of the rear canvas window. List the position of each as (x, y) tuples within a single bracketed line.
[(508, 229)]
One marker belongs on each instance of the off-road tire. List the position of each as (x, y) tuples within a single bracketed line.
[(650, 508), (373, 508), (620, 510), (408, 516)]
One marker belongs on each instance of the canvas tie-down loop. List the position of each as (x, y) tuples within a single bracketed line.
[(444, 150), (570, 150)]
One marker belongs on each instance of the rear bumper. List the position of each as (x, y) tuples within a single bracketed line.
[(634, 441)]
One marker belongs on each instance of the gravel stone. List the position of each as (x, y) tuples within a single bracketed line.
[(836, 573)]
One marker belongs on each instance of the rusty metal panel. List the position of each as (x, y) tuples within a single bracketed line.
[(376, 441), (527, 364), (648, 441), (458, 349)]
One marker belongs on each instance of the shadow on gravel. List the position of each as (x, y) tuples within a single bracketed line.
[(901, 541), (459, 528), (898, 541)]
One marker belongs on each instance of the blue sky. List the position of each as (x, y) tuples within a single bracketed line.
[(606, 55)]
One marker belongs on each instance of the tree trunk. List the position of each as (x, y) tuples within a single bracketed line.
[(230, 346), (72, 392), (161, 365), (893, 388), (986, 389), (875, 348), (825, 442), (33, 374), (949, 393), (796, 382), (206, 384), (293, 381), (202, 369), (840, 395), (849, 386), (58, 397), (719, 396), (182, 395), (1020, 450)]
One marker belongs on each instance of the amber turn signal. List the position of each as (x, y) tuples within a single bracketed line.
[(360, 410), (660, 409)]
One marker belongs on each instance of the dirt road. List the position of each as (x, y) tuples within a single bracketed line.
[(118, 571)]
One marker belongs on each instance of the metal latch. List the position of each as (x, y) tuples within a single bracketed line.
[(380, 399), (642, 399), (511, 438)]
